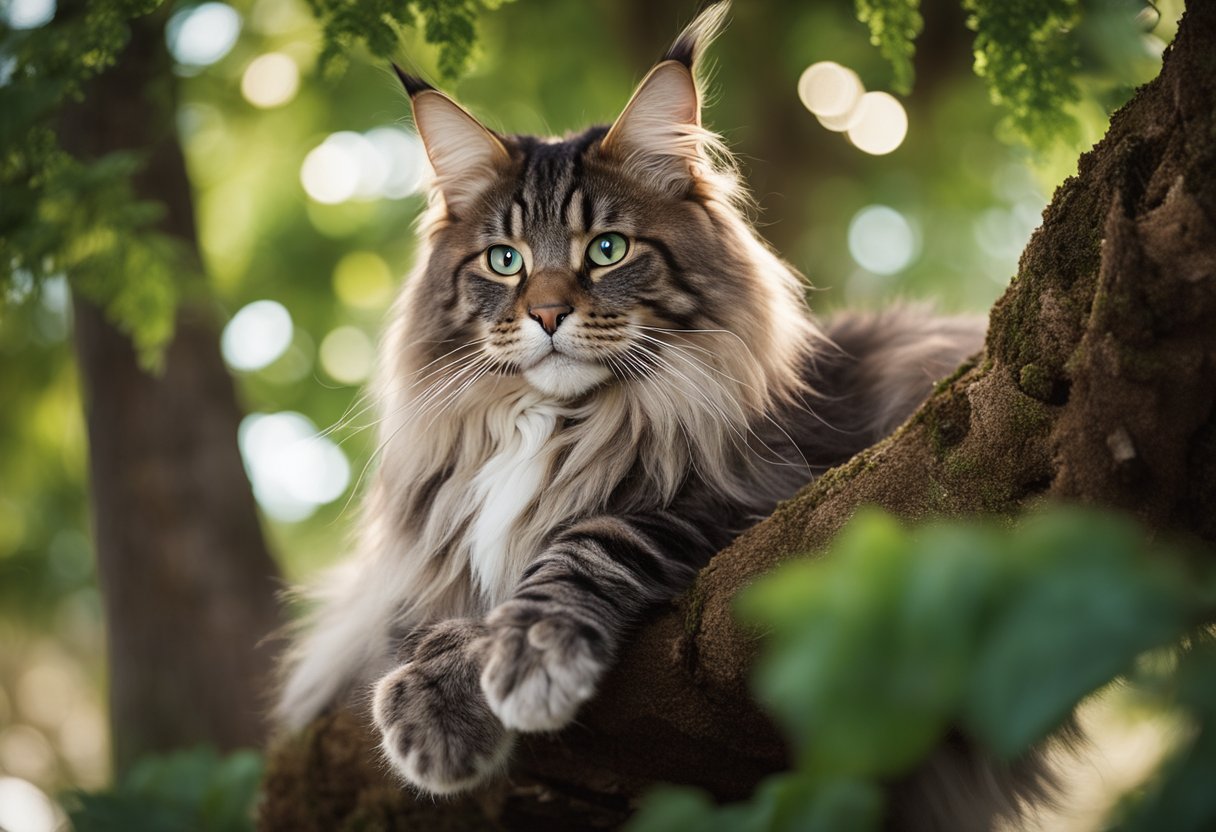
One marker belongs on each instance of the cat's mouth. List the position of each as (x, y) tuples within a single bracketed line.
[(556, 356), (564, 375)]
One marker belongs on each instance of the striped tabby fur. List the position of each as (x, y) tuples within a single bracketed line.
[(540, 487)]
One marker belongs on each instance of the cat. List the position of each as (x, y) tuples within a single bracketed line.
[(595, 378)]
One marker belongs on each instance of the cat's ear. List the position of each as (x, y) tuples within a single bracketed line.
[(466, 156), (659, 132)]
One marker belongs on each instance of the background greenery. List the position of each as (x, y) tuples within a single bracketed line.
[(895, 637), (969, 182)]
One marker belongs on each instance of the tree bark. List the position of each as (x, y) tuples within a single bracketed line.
[(187, 582), (1097, 385)]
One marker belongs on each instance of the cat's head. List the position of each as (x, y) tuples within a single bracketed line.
[(581, 262)]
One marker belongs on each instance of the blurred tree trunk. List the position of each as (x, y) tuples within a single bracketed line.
[(187, 582), (1097, 385)]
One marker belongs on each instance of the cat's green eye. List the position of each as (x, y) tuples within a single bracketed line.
[(607, 249), (505, 260)]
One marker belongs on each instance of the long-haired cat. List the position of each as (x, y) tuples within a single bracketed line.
[(595, 378)]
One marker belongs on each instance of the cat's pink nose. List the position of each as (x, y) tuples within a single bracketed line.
[(550, 315)]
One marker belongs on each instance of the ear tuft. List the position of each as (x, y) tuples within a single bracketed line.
[(659, 134), (412, 83), (691, 43)]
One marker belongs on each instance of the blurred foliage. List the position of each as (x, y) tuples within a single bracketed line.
[(59, 216), (894, 27), (63, 217), (1042, 59), (188, 791), (897, 636), (450, 24), (1028, 56)]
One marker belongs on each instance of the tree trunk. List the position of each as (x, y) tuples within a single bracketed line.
[(1098, 385), (187, 582)]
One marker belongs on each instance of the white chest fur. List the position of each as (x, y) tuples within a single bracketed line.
[(511, 478)]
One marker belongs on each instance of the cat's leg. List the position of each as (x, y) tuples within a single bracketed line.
[(436, 728), (546, 649)]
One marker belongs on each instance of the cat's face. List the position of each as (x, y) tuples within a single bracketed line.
[(569, 262), (571, 270)]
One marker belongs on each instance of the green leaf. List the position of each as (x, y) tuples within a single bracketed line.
[(868, 650), (190, 791), (1028, 55), (1183, 798), (447, 24), (1088, 605), (894, 27), (783, 803)]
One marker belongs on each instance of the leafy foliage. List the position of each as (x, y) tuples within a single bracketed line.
[(897, 636), (1040, 58), (1184, 798), (894, 27), (1025, 52), (189, 791), (450, 24), (60, 216)]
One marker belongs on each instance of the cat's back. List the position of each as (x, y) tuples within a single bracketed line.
[(874, 370)]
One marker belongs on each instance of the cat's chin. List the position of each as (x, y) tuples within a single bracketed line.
[(565, 377)]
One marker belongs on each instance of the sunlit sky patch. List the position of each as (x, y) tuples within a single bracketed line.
[(257, 335), (201, 35)]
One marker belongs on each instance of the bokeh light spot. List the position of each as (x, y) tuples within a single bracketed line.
[(270, 80), (28, 14), (277, 17), (362, 279), (201, 35), (25, 752), (882, 240), (879, 124), (257, 335), (405, 157), (292, 469), (829, 90), (330, 174), (347, 355), (315, 471), (48, 690), (384, 162), (24, 807)]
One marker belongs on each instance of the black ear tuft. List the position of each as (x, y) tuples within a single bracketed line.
[(683, 50), (412, 83), (693, 40)]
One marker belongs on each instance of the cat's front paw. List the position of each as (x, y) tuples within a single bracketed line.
[(539, 665), (436, 728)]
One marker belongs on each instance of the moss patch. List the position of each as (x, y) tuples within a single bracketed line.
[(1035, 382)]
